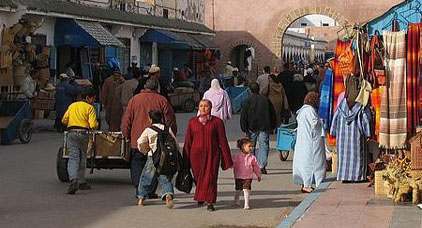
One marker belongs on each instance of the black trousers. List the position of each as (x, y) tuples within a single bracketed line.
[(137, 164)]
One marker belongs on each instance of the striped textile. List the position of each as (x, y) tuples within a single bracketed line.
[(412, 80), (393, 124), (338, 80), (351, 127), (326, 99)]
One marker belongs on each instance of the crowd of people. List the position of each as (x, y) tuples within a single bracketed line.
[(140, 108)]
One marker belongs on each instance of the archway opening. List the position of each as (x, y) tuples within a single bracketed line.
[(242, 57), (309, 39)]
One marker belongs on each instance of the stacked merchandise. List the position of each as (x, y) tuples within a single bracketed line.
[(375, 95)]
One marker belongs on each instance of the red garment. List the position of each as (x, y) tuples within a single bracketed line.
[(111, 101), (204, 146), (413, 72), (338, 80), (136, 117)]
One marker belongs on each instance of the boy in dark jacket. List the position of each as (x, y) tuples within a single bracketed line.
[(257, 120)]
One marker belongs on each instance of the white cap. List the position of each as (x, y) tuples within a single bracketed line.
[(154, 69), (236, 69), (63, 75), (175, 69), (229, 62)]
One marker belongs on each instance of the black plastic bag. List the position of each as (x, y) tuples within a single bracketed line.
[(184, 180)]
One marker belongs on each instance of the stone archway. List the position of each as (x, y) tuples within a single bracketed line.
[(277, 42), (238, 43)]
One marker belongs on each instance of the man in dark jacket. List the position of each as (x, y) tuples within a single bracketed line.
[(257, 120)]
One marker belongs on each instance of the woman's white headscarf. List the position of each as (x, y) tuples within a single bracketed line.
[(215, 85)]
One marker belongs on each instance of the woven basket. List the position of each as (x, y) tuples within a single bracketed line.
[(416, 151), (416, 174), (334, 160), (379, 183)]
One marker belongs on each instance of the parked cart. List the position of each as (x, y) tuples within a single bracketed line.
[(238, 95), (106, 150), (185, 99), (15, 121), (286, 140)]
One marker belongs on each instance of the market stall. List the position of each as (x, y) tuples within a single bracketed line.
[(373, 102)]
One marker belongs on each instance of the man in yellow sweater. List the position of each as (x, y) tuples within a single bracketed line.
[(80, 118)]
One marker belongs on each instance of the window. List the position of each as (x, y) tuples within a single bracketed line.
[(165, 13), (303, 24), (325, 24), (123, 6)]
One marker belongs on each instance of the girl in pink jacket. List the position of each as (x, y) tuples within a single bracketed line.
[(244, 165)]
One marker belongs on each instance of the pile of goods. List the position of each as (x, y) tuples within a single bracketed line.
[(399, 182)]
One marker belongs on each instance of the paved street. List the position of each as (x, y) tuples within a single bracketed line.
[(32, 196)]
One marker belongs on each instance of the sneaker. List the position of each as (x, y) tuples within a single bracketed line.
[(246, 208), (263, 171), (169, 201), (200, 203), (84, 186), (73, 187), (210, 208), (141, 202)]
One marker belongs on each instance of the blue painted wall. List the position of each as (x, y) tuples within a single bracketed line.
[(404, 12)]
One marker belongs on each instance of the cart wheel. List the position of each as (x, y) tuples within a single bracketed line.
[(189, 105), (62, 166), (25, 131), (283, 154)]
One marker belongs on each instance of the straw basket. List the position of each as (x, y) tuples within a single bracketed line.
[(416, 174), (379, 183), (416, 151), (334, 162)]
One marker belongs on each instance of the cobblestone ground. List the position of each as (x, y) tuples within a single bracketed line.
[(32, 196)]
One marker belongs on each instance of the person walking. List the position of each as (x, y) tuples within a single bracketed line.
[(221, 104), (80, 118), (65, 96), (147, 145), (126, 89), (111, 101), (244, 166), (278, 98), (135, 121), (309, 160), (264, 81), (205, 147), (257, 120)]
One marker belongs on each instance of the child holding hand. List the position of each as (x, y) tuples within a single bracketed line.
[(244, 165)]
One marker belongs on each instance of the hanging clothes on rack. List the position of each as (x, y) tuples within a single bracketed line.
[(393, 124), (413, 77), (341, 46)]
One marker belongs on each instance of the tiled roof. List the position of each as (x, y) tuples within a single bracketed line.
[(99, 33), (10, 3), (63, 7)]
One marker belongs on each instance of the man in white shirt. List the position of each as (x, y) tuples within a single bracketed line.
[(263, 81), (29, 85)]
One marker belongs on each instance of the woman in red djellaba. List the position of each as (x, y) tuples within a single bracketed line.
[(205, 145)]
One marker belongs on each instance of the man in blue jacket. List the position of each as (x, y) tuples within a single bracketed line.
[(65, 96)]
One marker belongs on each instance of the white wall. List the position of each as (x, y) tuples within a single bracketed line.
[(130, 33)]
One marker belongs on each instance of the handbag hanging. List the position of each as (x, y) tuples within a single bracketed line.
[(345, 61), (376, 67)]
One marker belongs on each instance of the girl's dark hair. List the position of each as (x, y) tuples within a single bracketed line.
[(156, 116), (242, 142)]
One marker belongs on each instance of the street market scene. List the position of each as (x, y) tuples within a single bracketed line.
[(210, 113)]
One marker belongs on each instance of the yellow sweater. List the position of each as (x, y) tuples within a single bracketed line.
[(80, 114)]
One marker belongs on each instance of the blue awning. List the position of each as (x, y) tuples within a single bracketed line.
[(76, 33), (176, 40)]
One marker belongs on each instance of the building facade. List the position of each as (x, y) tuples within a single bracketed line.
[(262, 24), (92, 32)]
